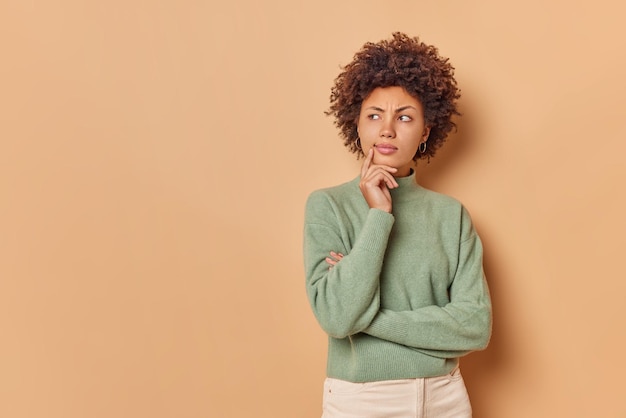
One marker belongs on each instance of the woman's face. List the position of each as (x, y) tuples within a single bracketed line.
[(392, 122)]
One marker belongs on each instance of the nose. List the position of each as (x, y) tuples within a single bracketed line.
[(387, 130)]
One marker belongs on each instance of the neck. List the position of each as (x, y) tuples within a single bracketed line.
[(404, 173)]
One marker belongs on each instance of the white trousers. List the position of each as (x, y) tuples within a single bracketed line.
[(431, 397)]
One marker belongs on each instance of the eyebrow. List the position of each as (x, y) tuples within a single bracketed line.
[(398, 110)]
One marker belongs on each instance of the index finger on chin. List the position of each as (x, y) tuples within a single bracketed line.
[(367, 162)]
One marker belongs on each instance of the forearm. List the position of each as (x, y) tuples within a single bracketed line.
[(346, 297), (462, 325), (453, 330), (343, 300)]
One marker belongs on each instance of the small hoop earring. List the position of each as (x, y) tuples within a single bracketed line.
[(358, 143), (422, 147)]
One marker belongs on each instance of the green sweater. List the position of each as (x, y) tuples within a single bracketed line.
[(409, 297)]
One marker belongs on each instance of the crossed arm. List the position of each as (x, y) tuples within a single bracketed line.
[(344, 288), (449, 331)]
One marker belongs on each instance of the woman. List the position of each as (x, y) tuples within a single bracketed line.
[(394, 271)]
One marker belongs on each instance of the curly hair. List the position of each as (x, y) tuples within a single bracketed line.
[(405, 62)]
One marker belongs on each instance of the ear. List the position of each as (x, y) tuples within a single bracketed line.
[(426, 133)]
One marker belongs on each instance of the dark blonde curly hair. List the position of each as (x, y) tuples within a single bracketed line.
[(405, 62)]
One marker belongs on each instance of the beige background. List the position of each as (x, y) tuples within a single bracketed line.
[(154, 162)]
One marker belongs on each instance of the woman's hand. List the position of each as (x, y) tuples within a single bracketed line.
[(376, 180), (333, 259)]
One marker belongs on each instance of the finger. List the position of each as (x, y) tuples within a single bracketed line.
[(387, 193), (387, 168), (336, 256), (367, 162), (389, 179), (379, 175), (331, 261)]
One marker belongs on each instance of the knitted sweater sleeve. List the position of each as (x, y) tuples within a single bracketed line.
[(345, 298), (453, 330)]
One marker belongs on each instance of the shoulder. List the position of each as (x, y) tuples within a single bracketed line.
[(441, 201), (332, 195), (334, 204), (450, 210)]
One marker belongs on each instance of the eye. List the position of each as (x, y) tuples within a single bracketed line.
[(373, 116), (405, 118)]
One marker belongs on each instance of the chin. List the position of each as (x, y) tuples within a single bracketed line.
[(391, 161)]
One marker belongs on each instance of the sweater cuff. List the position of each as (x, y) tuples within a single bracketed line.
[(376, 230)]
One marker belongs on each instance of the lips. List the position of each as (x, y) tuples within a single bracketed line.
[(385, 149)]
